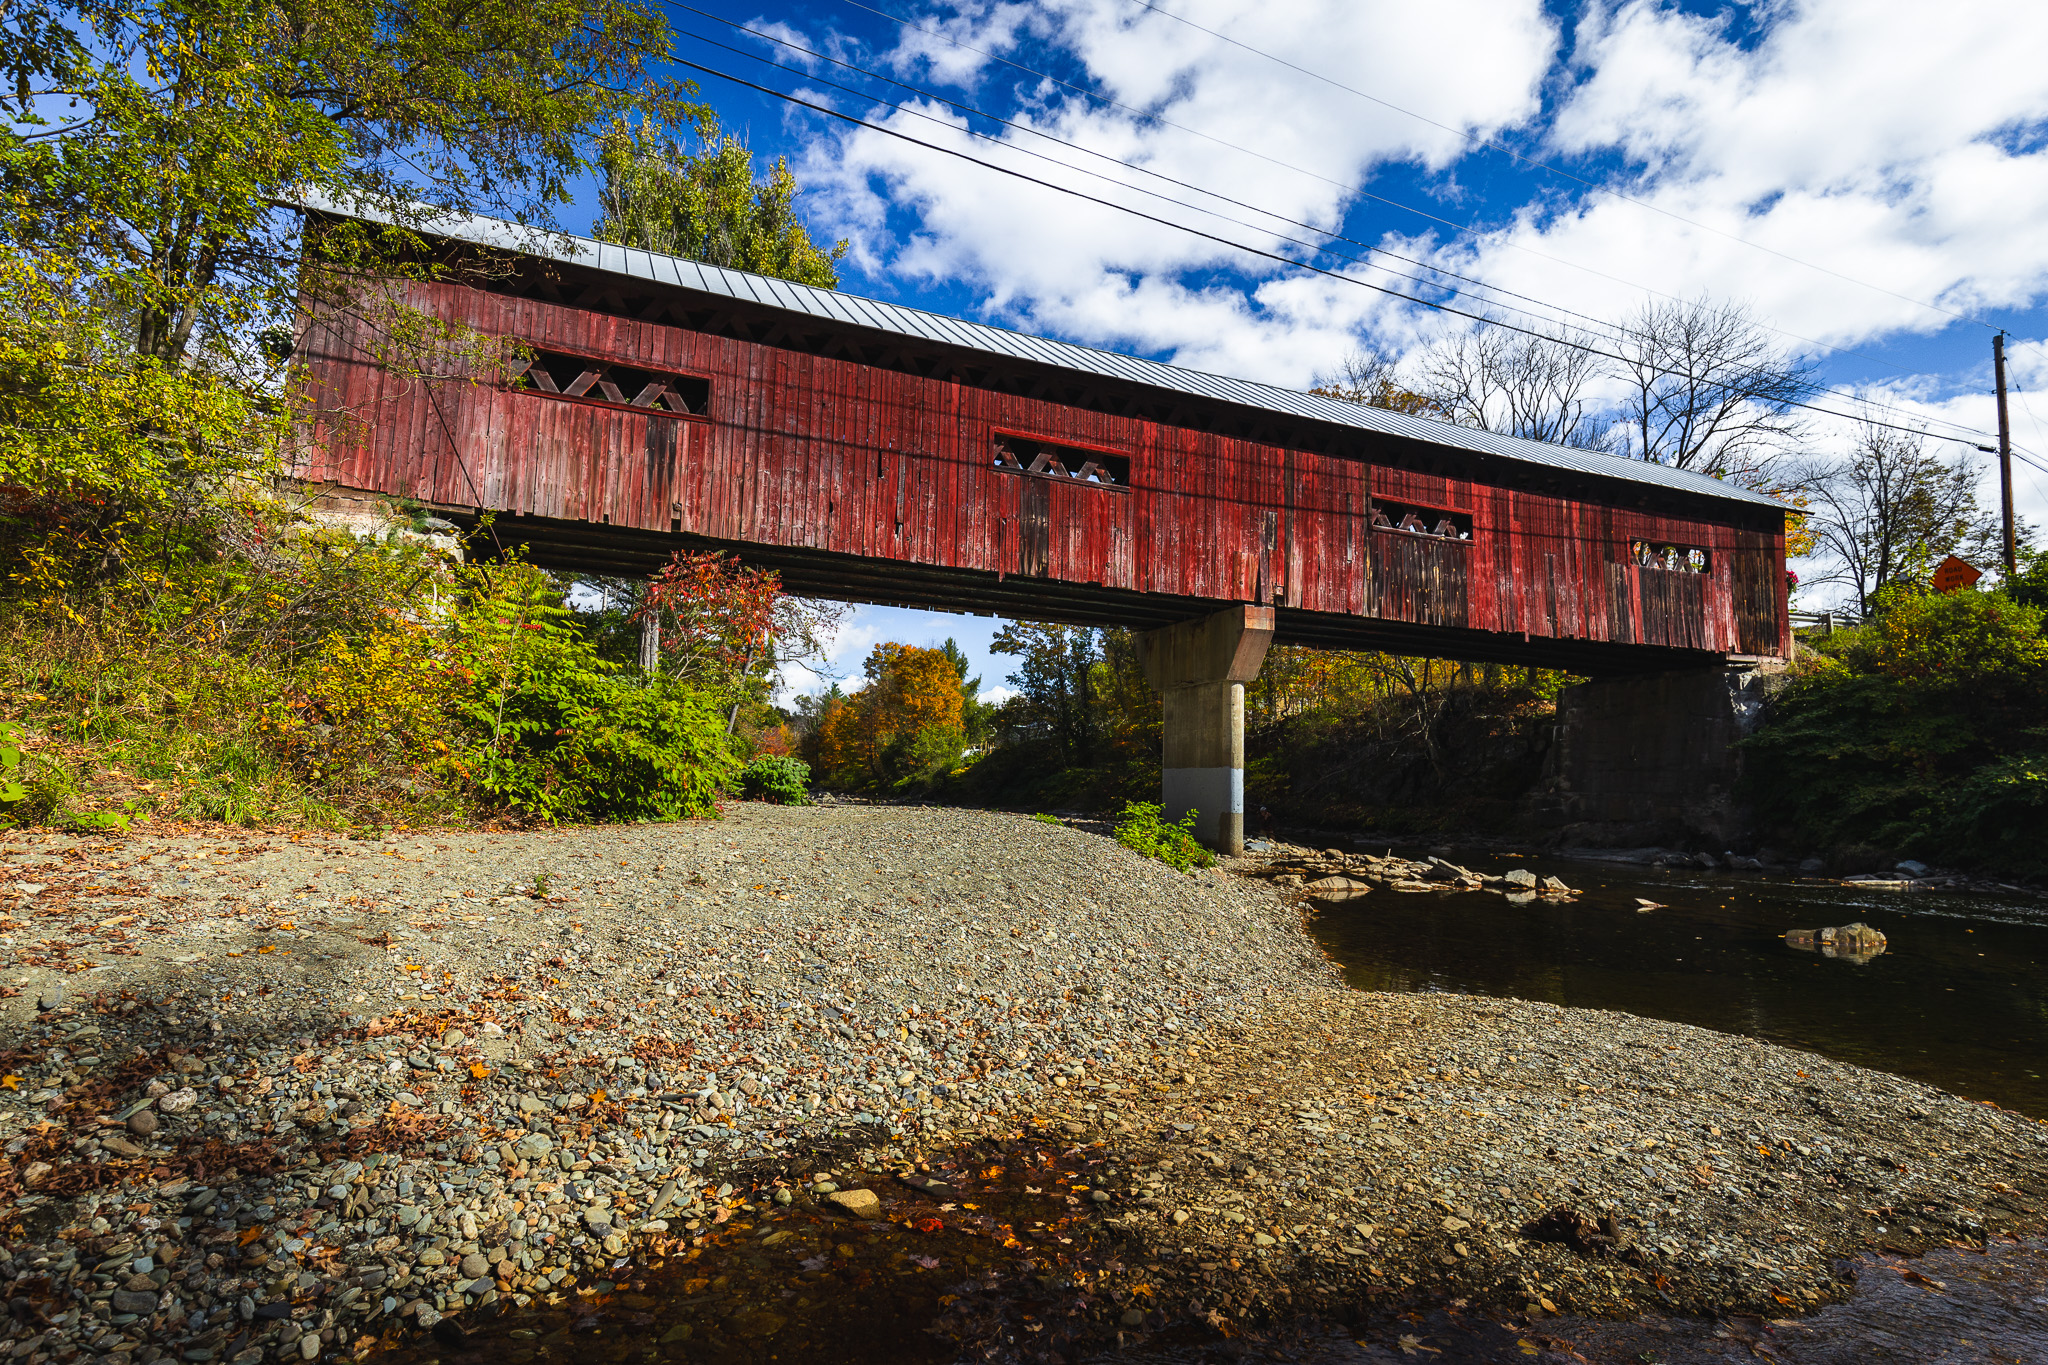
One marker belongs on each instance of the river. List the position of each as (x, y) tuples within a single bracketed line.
[(1958, 999)]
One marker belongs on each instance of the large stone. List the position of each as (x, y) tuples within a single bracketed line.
[(1521, 879), (533, 1146), (134, 1301), (142, 1123), (1856, 942), (1335, 889), (474, 1265), (856, 1203)]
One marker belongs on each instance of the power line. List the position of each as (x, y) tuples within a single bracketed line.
[(1619, 332), (898, 134), (1137, 189), (1360, 190), (1103, 156), (1595, 186)]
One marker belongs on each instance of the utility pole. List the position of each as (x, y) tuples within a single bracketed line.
[(2004, 454)]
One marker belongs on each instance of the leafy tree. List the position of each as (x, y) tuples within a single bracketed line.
[(116, 469), (976, 715), (707, 204), (1924, 732), (902, 728), (1054, 682), (716, 616), (186, 125)]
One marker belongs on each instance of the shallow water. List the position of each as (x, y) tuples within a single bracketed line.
[(1958, 999)]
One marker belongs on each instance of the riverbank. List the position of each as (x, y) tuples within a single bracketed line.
[(316, 1096)]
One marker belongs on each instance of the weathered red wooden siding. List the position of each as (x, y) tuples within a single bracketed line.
[(826, 454)]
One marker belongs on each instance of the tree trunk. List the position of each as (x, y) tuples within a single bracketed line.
[(650, 644)]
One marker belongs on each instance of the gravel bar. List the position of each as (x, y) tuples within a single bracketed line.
[(276, 1096)]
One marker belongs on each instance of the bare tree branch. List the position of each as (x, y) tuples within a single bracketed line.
[(1709, 390)]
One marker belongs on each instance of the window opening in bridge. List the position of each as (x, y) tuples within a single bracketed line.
[(1421, 521), (1673, 558), (1021, 455), (574, 376)]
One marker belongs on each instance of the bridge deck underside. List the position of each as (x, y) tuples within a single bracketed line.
[(593, 548)]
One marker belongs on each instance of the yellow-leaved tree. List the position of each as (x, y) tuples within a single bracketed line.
[(902, 729)]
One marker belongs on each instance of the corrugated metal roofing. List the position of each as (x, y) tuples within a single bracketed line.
[(877, 315)]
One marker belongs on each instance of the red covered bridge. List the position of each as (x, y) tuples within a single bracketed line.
[(876, 453)]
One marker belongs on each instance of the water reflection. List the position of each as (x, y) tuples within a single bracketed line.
[(1958, 996), (1856, 943)]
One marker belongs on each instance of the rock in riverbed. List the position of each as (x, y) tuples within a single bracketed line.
[(1857, 942)]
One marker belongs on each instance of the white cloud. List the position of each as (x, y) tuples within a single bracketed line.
[(1863, 136), (1877, 140), (1057, 264), (1855, 136)]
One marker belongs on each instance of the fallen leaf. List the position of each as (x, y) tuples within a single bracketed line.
[(266, 948), (249, 1235), (10, 1082), (479, 1070)]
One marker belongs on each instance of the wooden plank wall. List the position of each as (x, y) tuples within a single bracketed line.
[(826, 454)]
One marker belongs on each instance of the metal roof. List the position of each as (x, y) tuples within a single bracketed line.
[(874, 314)]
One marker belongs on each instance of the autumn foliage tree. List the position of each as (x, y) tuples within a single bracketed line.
[(716, 616), (902, 728)]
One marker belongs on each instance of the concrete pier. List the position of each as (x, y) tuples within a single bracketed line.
[(1199, 669)]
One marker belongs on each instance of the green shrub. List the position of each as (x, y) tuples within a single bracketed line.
[(1139, 828), (923, 758), (1045, 819), (1924, 733), (553, 730), (11, 791), (778, 778)]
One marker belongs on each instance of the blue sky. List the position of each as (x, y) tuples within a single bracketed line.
[(1870, 177)]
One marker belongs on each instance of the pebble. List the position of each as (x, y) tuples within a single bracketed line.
[(856, 1203), (698, 998)]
